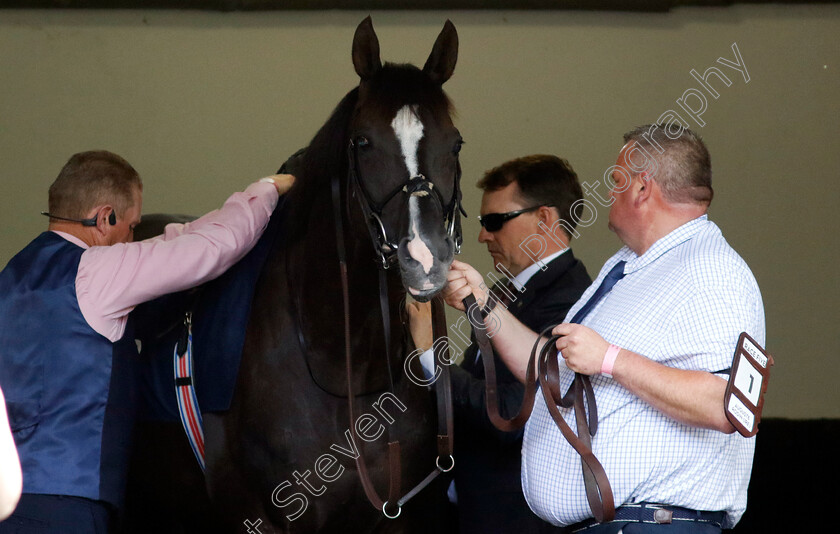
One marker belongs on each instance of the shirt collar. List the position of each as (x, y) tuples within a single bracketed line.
[(522, 278), (664, 244), (73, 239)]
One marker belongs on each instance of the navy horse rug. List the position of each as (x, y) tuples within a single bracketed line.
[(219, 313)]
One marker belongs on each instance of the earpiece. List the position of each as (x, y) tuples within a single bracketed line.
[(85, 222), (112, 219)]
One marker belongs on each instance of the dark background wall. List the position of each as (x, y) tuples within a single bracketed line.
[(202, 102)]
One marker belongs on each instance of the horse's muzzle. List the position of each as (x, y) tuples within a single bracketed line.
[(423, 267)]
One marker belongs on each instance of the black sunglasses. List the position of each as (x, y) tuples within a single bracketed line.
[(493, 222)]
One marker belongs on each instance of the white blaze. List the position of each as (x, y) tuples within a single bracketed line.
[(409, 132)]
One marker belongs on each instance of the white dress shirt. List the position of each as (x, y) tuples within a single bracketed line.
[(683, 303)]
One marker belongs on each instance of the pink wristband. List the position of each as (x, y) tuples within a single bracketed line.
[(609, 360)]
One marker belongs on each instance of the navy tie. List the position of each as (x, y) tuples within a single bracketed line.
[(616, 274)]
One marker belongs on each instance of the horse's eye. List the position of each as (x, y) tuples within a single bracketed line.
[(362, 141), (457, 147)]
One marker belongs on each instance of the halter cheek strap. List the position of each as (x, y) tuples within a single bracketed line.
[(444, 395)]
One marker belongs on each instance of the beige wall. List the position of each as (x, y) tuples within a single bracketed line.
[(201, 103)]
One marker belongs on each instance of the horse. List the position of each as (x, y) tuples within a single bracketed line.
[(374, 215)]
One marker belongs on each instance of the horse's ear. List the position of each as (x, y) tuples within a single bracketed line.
[(366, 50), (441, 62)]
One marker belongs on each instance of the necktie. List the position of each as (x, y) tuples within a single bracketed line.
[(598, 490), (615, 274)]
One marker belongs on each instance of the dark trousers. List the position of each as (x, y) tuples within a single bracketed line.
[(677, 527), (58, 514), (498, 513)]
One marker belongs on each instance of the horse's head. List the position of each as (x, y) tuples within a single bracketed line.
[(403, 159)]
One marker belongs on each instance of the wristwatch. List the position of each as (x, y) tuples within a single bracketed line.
[(269, 180)]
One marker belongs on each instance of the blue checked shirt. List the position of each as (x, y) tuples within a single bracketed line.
[(683, 303)]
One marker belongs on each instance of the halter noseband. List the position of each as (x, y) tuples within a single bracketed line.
[(385, 247)]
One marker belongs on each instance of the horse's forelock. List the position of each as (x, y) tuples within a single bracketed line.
[(393, 87), (398, 85)]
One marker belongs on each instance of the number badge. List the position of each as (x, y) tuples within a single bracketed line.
[(747, 384)]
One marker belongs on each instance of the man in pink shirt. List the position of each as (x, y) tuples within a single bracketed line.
[(66, 338)]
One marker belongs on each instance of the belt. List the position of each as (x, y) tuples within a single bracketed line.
[(662, 514)]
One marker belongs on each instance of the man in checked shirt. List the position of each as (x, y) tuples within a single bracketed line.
[(656, 341)]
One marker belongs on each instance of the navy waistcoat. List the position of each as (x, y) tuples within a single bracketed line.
[(69, 390)]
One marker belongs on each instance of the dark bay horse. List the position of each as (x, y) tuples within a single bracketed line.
[(377, 188)]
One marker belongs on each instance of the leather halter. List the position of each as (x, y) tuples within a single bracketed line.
[(579, 395), (386, 248), (443, 388)]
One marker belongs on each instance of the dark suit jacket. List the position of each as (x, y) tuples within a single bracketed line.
[(487, 464)]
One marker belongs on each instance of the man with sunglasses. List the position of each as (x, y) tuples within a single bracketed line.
[(67, 349), (655, 333), (525, 209)]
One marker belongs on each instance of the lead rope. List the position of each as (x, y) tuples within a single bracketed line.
[(580, 396)]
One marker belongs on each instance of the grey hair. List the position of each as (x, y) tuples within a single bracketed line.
[(92, 178), (683, 167)]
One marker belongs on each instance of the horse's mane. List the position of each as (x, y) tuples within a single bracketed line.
[(326, 155), (314, 165)]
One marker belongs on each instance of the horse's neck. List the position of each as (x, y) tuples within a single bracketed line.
[(317, 288), (316, 260)]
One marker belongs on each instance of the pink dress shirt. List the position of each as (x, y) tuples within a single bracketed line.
[(112, 280)]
